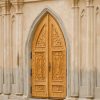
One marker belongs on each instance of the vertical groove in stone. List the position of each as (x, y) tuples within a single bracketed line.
[(92, 52), (11, 56), (1, 54), (13, 37)]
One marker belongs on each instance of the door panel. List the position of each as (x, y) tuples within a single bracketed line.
[(48, 60), (57, 59), (40, 60)]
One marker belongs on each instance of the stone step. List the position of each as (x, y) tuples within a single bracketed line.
[(12, 99)]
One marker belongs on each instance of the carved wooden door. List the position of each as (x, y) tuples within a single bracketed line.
[(48, 60)]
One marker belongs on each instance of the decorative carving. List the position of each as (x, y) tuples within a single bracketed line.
[(41, 41), (40, 68), (57, 65), (57, 88), (56, 38), (48, 40), (40, 88)]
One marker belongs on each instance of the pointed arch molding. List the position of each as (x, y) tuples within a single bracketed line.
[(27, 66), (35, 23)]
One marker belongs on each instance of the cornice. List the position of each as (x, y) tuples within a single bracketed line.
[(17, 1), (89, 2), (4, 2), (18, 5), (6, 5), (75, 3)]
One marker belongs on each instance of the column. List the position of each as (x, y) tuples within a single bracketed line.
[(6, 44), (18, 53), (75, 52), (90, 48)]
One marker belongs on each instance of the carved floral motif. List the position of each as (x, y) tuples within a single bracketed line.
[(56, 39), (41, 41), (40, 66), (48, 62), (40, 88), (57, 88), (57, 67)]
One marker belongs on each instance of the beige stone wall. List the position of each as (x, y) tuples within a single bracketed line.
[(79, 20)]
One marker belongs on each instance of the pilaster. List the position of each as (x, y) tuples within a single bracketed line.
[(75, 52), (6, 43), (19, 45), (90, 48)]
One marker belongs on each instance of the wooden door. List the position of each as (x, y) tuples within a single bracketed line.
[(48, 60), (57, 60), (40, 60)]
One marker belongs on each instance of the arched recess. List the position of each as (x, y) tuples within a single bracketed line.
[(28, 50)]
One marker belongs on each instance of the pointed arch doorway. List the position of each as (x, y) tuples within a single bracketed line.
[(48, 60)]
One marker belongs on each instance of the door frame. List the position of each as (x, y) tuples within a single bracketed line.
[(28, 48)]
